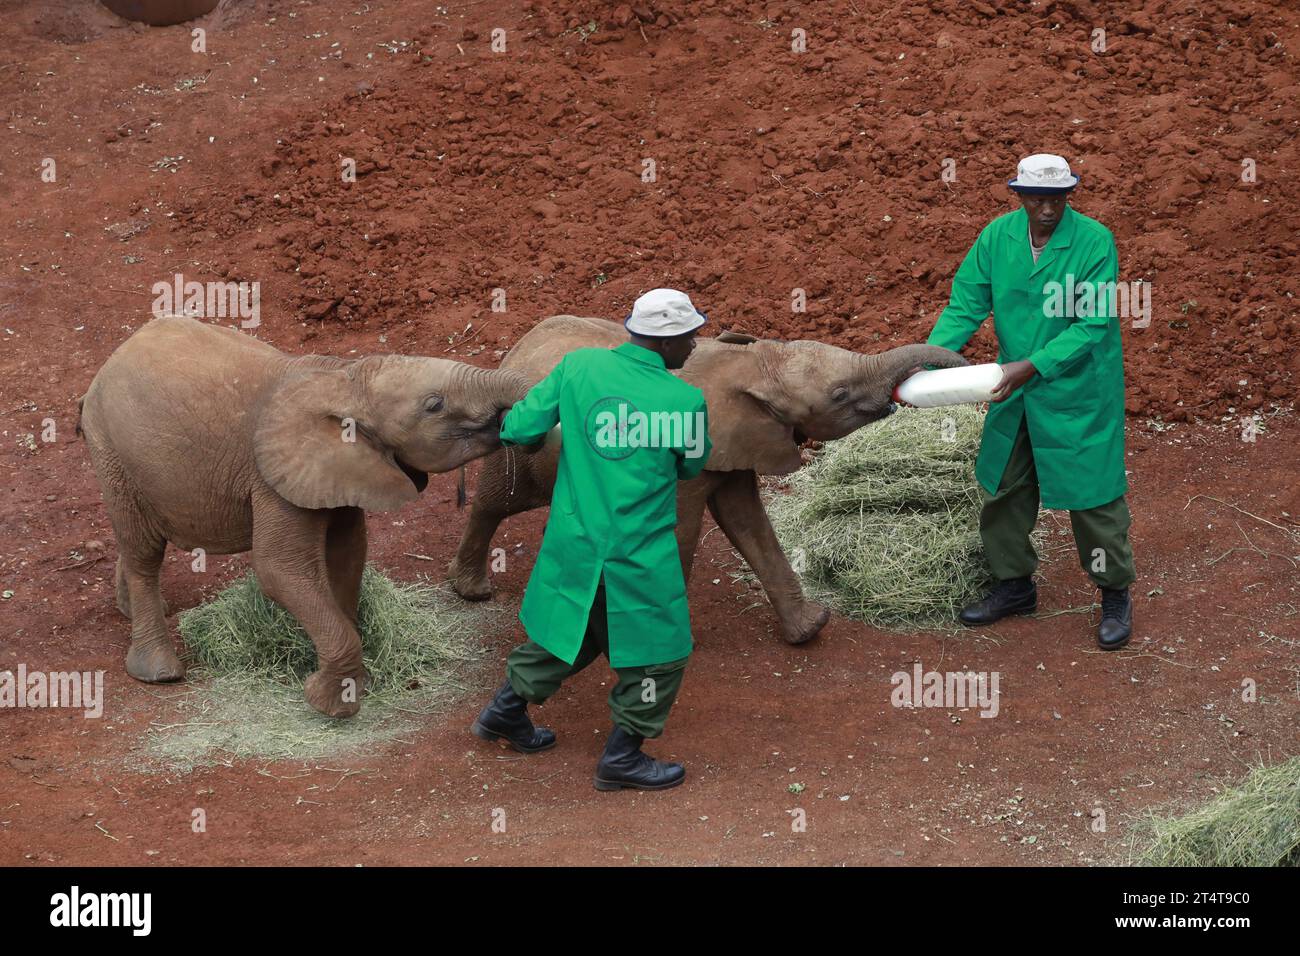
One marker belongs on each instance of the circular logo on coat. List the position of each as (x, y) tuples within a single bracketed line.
[(607, 427)]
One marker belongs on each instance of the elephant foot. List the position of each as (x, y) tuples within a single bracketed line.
[(806, 625), (469, 585), (154, 663), (336, 695)]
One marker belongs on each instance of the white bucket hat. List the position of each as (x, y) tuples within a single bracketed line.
[(1043, 173), (662, 313)]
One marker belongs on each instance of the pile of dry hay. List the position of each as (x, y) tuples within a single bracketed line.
[(883, 525), (249, 658), (1256, 823)]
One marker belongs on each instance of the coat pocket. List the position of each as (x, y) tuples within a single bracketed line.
[(1074, 390)]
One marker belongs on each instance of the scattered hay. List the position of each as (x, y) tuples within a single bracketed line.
[(230, 717), (883, 525), (410, 634), (1256, 823), (249, 656)]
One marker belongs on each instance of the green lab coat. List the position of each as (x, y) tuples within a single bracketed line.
[(614, 508), (1075, 404)]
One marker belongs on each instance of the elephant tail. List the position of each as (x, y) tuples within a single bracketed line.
[(81, 408), (461, 496)]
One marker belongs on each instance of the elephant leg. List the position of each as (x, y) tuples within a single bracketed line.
[(151, 656), (691, 496), (140, 548), (290, 559), (738, 509), (510, 483), (345, 556), (123, 592), (468, 570)]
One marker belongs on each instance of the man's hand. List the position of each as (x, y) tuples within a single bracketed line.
[(1014, 374), (526, 449)]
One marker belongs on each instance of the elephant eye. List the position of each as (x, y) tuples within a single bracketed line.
[(433, 404), (840, 394)]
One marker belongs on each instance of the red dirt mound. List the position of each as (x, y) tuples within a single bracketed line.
[(606, 153)]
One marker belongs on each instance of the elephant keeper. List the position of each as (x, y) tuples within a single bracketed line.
[(608, 578), (1056, 428)]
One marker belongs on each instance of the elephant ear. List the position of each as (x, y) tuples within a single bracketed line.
[(746, 434), (312, 445), (737, 338)]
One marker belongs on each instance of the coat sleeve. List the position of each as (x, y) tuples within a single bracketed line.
[(971, 299), (529, 420), (689, 467), (1086, 330)]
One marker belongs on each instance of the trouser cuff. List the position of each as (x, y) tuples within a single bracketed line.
[(526, 689), (1114, 585), (647, 730)]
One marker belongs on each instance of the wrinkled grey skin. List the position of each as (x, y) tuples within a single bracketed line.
[(764, 399), (208, 438)]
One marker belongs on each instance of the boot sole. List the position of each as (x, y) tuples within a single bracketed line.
[(481, 732), (609, 785), (1019, 612)]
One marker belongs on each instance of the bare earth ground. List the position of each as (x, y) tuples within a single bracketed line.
[(522, 171)]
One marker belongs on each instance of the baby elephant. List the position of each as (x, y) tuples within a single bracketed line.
[(209, 438)]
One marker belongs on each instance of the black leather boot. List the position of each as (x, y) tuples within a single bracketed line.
[(1012, 596), (1116, 619), (506, 718), (623, 765)]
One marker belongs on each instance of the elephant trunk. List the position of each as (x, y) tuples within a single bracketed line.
[(512, 386), (500, 388), (890, 368), (516, 385), (496, 387)]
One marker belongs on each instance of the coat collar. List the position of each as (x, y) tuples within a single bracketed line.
[(1062, 236), (643, 355)]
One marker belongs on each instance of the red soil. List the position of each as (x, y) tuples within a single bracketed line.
[(523, 171)]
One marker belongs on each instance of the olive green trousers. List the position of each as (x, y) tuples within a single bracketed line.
[(641, 698), (1100, 534)]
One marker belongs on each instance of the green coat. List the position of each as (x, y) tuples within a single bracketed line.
[(614, 508), (1075, 404)]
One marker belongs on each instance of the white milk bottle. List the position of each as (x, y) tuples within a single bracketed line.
[(949, 386)]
